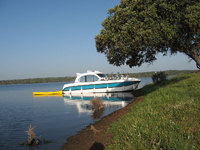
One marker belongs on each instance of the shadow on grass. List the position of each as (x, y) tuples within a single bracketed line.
[(152, 87), (97, 146)]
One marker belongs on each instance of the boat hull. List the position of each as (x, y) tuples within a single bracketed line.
[(101, 86)]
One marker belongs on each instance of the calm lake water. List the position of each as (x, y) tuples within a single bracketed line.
[(54, 118)]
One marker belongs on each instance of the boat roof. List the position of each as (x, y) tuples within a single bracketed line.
[(89, 72)]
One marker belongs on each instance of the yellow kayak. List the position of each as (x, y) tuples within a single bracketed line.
[(57, 93)]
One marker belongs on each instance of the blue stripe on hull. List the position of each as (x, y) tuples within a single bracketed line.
[(74, 88), (100, 86), (112, 85), (87, 87)]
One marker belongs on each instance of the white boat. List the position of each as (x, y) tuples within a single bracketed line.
[(98, 82)]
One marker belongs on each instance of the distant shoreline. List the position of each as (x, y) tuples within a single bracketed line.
[(37, 80), (70, 78)]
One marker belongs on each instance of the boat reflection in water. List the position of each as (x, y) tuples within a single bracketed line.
[(98, 104)]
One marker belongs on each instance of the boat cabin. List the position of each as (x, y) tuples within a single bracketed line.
[(90, 76)]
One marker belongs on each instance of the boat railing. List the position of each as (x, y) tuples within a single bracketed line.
[(114, 77)]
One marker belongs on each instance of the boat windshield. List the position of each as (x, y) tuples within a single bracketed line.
[(101, 75)]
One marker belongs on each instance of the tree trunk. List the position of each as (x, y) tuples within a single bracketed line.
[(195, 57), (197, 60)]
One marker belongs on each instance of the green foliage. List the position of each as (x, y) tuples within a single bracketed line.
[(168, 117), (136, 30), (159, 77)]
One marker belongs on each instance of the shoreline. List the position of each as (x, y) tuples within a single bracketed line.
[(94, 135)]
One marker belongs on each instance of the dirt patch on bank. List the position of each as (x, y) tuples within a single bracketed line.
[(93, 137)]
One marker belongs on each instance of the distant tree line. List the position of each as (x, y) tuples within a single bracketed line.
[(168, 73), (37, 80), (68, 79)]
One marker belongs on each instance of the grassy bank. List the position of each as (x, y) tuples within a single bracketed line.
[(167, 118)]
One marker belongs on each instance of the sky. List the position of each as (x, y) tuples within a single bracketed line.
[(55, 38)]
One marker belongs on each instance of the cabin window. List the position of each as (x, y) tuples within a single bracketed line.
[(89, 78), (92, 78), (96, 78), (82, 79)]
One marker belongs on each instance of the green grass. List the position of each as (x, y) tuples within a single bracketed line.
[(167, 118)]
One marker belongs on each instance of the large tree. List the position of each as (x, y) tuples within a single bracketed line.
[(135, 31)]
